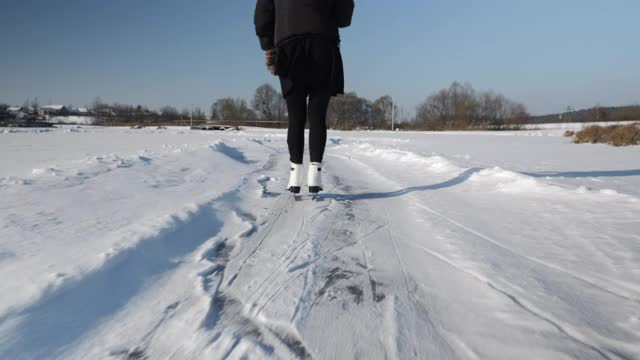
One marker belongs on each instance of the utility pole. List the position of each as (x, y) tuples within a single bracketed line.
[(191, 115), (393, 113), (569, 114)]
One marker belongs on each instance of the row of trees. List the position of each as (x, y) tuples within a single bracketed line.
[(461, 107), (106, 114), (457, 107), (268, 108), (595, 114)]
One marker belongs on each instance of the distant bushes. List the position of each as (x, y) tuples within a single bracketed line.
[(616, 135)]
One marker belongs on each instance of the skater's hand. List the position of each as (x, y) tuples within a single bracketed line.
[(270, 57)]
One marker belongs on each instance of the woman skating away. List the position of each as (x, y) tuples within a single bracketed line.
[(302, 44)]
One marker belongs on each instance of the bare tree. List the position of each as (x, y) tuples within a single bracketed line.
[(198, 114), (434, 112), (169, 113), (491, 108), (185, 114), (349, 111), (98, 108), (383, 110), (463, 105), (4, 111), (516, 114), (268, 103), (35, 106)]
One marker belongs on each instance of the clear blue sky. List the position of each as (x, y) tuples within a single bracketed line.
[(546, 53)]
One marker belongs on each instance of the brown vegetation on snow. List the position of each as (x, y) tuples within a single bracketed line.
[(616, 135)]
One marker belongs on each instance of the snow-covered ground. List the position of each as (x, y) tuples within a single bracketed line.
[(574, 126), (176, 244), (82, 120)]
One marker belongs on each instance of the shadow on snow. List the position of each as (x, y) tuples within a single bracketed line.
[(462, 177), (64, 316), (231, 152)]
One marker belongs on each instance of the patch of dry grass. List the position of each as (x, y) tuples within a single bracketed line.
[(625, 135), (616, 135), (591, 135)]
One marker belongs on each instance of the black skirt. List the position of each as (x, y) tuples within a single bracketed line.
[(311, 61)]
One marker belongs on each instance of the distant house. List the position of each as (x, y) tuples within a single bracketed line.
[(55, 110), (81, 111), (107, 112), (19, 113)]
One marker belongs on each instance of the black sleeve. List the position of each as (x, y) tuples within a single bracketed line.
[(265, 22), (344, 12)]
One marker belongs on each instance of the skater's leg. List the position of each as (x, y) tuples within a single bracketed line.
[(297, 108), (318, 105)]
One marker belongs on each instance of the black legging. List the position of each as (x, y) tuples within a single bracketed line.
[(316, 112)]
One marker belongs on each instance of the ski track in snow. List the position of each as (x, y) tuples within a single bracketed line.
[(390, 270)]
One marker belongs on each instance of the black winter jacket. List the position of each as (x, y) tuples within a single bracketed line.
[(278, 20), (306, 35)]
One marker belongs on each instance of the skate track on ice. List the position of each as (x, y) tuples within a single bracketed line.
[(403, 256)]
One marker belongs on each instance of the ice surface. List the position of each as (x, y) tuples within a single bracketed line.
[(118, 243)]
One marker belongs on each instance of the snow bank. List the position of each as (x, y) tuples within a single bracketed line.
[(80, 120), (25, 131), (515, 183), (109, 189), (573, 126), (434, 163), (511, 182)]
